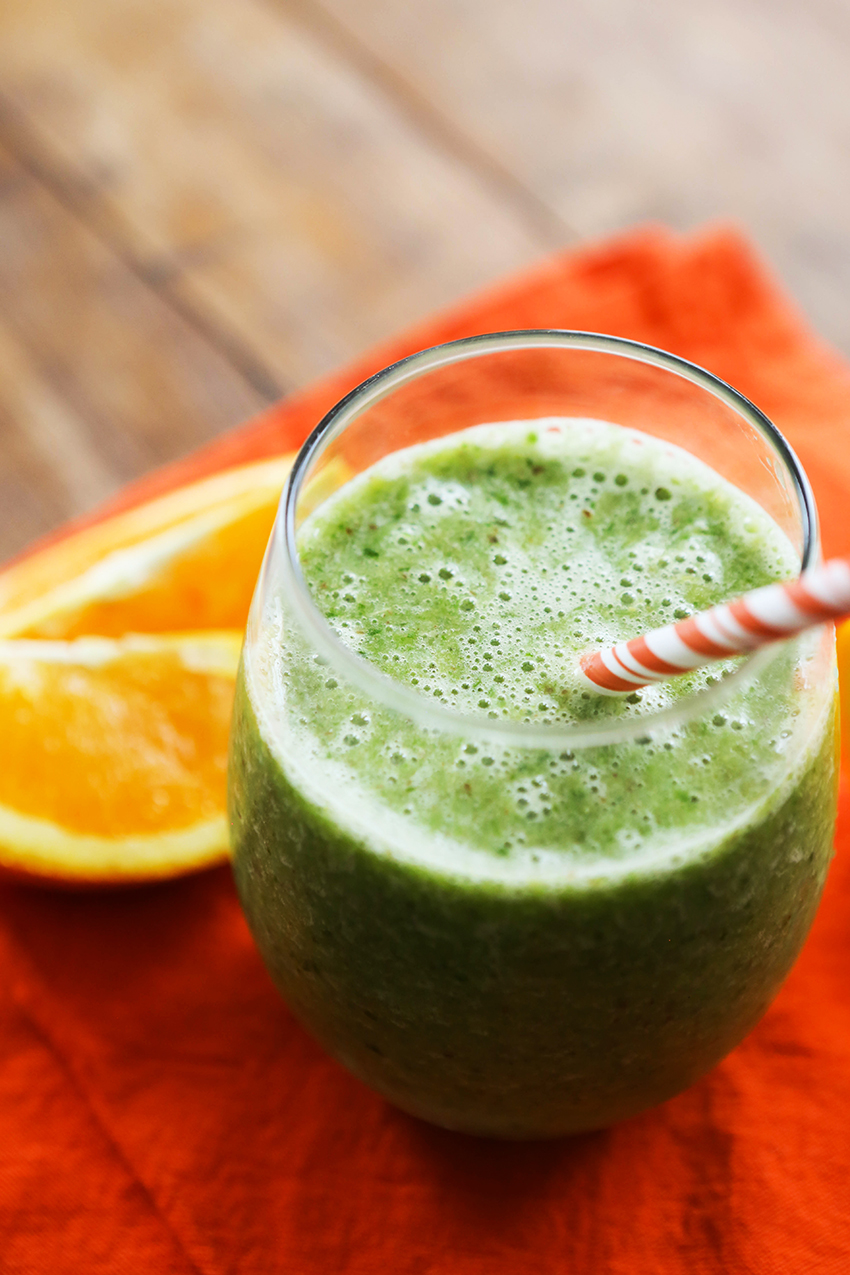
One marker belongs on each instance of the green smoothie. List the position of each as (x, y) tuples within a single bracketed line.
[(511, 939)]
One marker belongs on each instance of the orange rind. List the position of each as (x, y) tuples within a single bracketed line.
[(115, 754), (119, 645), (185, 561)]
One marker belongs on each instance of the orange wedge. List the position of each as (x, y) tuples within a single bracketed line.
[(185, 561), (114, 746), (114, 756)]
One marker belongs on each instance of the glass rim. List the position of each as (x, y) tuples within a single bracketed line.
[(406, 699)]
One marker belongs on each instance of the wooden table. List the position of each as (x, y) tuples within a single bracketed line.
[(206, 203)]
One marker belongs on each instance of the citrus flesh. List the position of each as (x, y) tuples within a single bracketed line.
[(185, 561), (118, 654), (115, 753)]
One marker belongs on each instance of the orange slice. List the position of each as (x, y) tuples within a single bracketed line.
[(114, 746), (114, 755), (185, 561)]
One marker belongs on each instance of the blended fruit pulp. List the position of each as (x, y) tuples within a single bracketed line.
[(514, 940)]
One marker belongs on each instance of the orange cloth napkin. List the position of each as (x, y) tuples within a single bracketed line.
[(161, 1111)]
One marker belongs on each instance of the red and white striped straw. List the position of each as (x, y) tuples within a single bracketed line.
[(765, 615)]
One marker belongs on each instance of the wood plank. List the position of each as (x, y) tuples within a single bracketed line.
[(49, 468), (99, 379), (620, 112), (282, 195)]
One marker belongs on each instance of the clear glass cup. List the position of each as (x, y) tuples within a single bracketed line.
[(486, 978)]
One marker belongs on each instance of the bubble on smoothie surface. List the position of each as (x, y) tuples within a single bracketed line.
[(480, 566), (475, 569)]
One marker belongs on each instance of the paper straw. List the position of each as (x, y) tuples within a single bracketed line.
[(765, 615)]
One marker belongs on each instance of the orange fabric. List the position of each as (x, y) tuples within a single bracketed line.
[(161, 1111)]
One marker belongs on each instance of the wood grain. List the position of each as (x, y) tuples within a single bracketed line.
[(206, 203), (99, 379), (280, 191), (611, 113), (49, 469)]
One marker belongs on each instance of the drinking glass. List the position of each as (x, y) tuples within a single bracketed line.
[(497, 971)]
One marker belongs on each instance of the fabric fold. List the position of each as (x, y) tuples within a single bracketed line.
[(161, 1110)]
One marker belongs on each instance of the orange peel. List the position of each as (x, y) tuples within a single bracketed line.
[(115, 755), (119, 646), (185, 561)]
